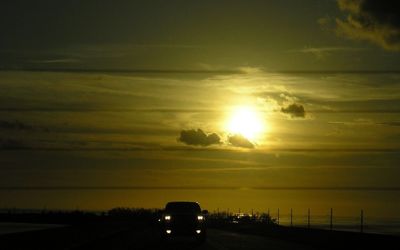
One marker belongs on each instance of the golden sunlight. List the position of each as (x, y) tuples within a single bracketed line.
[(246, 121)]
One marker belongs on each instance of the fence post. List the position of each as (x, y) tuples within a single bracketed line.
[(331, 220), (308, 219), (278, 216), (291, 217), (362, 221)]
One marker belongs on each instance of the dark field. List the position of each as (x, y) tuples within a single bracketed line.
[(141, 231)]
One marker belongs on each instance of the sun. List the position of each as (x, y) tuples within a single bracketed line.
[(246, 121)]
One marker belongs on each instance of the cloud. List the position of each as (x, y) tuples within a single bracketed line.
[(287, 103), (323, 52), (199, 138), (56, 60), (240, 141), (325, 23), (11, 144), (250, 70), (15, 125), (20, 126), (390, 123), (371, 20), (294, 110), (356, 122)]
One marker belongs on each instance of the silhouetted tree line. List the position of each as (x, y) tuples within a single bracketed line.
[(122, 215), (115, 215), (134, 215), (226, 219)]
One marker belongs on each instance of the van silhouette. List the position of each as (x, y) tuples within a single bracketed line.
[(183, 218)]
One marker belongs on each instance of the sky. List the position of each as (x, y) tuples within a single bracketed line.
[(235, 104)]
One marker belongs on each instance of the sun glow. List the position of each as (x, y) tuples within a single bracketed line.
[(246, 121)]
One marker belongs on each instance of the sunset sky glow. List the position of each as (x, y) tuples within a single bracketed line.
[(251, 104)]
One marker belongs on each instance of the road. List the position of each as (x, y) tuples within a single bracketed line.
[(223, 240), (8, 227), (109, 237), (120, 237), (216, 240)]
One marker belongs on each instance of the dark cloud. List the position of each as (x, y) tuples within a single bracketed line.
[(240, 141), (390, 123), (198, 138), (377, 21), (11, 144), (294, 110), (15, 125), (20, 126)]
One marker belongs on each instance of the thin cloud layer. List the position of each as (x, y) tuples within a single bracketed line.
[(15, 125), (371, 20), (240, 141), (11, 144), (390, 123), (199, 138), (294, 110), (321, 53)]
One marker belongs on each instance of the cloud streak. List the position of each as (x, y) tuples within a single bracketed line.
[(390, 123), (14, 125), (11, 144), (323, 52), (370, 20), (342, 188)]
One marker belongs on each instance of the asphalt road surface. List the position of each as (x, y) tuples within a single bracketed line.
[(105, 236), (216, 240)]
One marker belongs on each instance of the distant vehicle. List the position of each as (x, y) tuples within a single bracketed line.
[(183, 218), (242, 218)]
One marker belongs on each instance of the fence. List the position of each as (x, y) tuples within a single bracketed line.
[(304, 219)]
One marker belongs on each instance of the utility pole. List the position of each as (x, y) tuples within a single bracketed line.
[(291, 217), (278, 216), (362, 221)]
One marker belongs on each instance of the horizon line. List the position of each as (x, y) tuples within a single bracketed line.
[(277, 188)]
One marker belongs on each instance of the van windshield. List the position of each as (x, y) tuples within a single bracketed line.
[(183, 207)]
